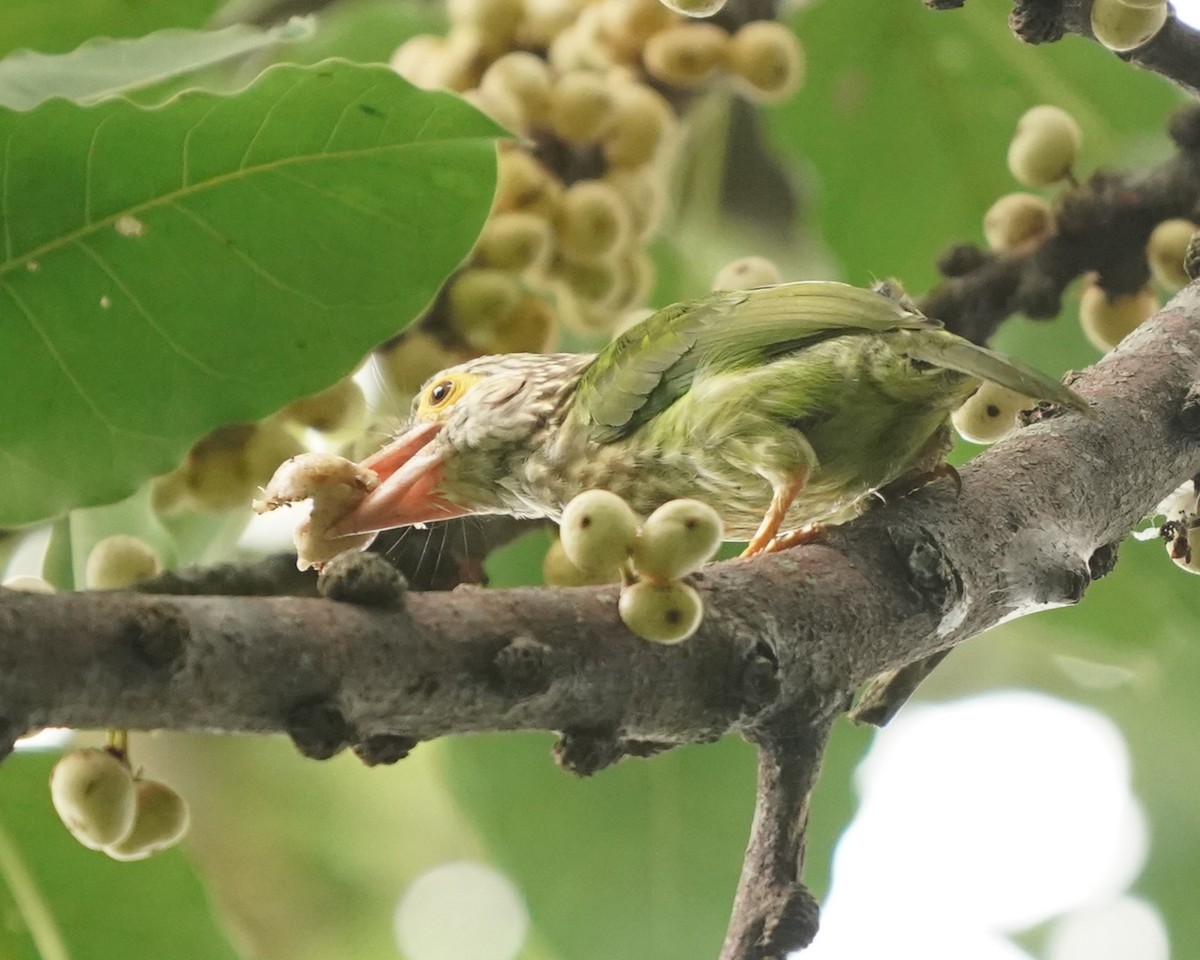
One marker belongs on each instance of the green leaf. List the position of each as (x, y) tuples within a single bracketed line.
[(55, 28), (104, 67), (641, 860), (168, 270), (61, 900)]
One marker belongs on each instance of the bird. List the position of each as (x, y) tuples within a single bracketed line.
[(785, 407)]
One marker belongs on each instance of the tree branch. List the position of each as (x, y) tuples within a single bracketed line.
[(785, 640), (1102, 226), (1174, 52)]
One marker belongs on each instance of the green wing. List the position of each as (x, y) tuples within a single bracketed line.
[(944, 349), (649, 367)]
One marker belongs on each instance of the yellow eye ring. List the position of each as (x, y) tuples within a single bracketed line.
[(443, 392)]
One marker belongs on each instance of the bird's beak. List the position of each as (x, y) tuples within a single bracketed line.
[(409, 471)]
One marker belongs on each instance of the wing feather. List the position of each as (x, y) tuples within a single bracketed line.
[(649, 367)]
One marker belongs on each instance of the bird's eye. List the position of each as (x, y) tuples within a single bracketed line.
[(439, 392)]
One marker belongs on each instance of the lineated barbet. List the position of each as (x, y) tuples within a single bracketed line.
[(781, 406)]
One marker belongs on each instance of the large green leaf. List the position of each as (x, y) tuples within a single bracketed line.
[(104, 67), (167, 270), (640, 861), (905, 119), (60, 900), (56, 27)]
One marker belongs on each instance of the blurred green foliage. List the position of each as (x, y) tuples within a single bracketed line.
[(897, 144)]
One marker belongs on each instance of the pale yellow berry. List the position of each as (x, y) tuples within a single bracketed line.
[(215, 474), (642, 120), (1166, 249), (408, 362), (579, 49), (479, 295), (677, 538), (989, 414), (545, 20), (1106, 322), (592, 221), (516, 241), (1044, 147), (169, 492), (419, 60), (496, 21), (522, 183), (337, 411), (630, 23), (663, 613), (581, 107), (118, 561), (559, 571), (526, 327), (525, 77), (500, 106), (687, 55), (92, 790), (594, 284), (694, 8), (635, 279), (1016, 221), (597, 531), (223, 470), (161, 820), (1123, 25), (643, 193), (746, 272), (465, 55), (27, 584), (767, 59)]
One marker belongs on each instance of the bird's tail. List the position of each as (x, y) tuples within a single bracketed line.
[(945, 349)]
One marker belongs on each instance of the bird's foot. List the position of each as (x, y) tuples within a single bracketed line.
[(912, 482), (813, 533)]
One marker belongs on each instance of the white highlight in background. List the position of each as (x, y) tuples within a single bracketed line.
[(980, 818), (461, 911), (1123, 929), (1188, 11)]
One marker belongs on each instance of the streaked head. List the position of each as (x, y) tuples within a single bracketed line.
[(468, 422)]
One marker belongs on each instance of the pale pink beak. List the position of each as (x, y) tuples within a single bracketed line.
[(409, 472)]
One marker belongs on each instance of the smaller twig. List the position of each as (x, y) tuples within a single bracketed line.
[(773, 913), (1102, 226), (1174, 52)]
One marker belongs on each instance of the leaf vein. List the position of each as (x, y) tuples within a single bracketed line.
[(51, 349), (342, 116), (171, 198), (266, 120), (111, 273), (247, 259)]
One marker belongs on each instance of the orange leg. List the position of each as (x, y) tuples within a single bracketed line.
[(781, 502)]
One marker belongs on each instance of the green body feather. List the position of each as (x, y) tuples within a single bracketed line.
[(728, 397)]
